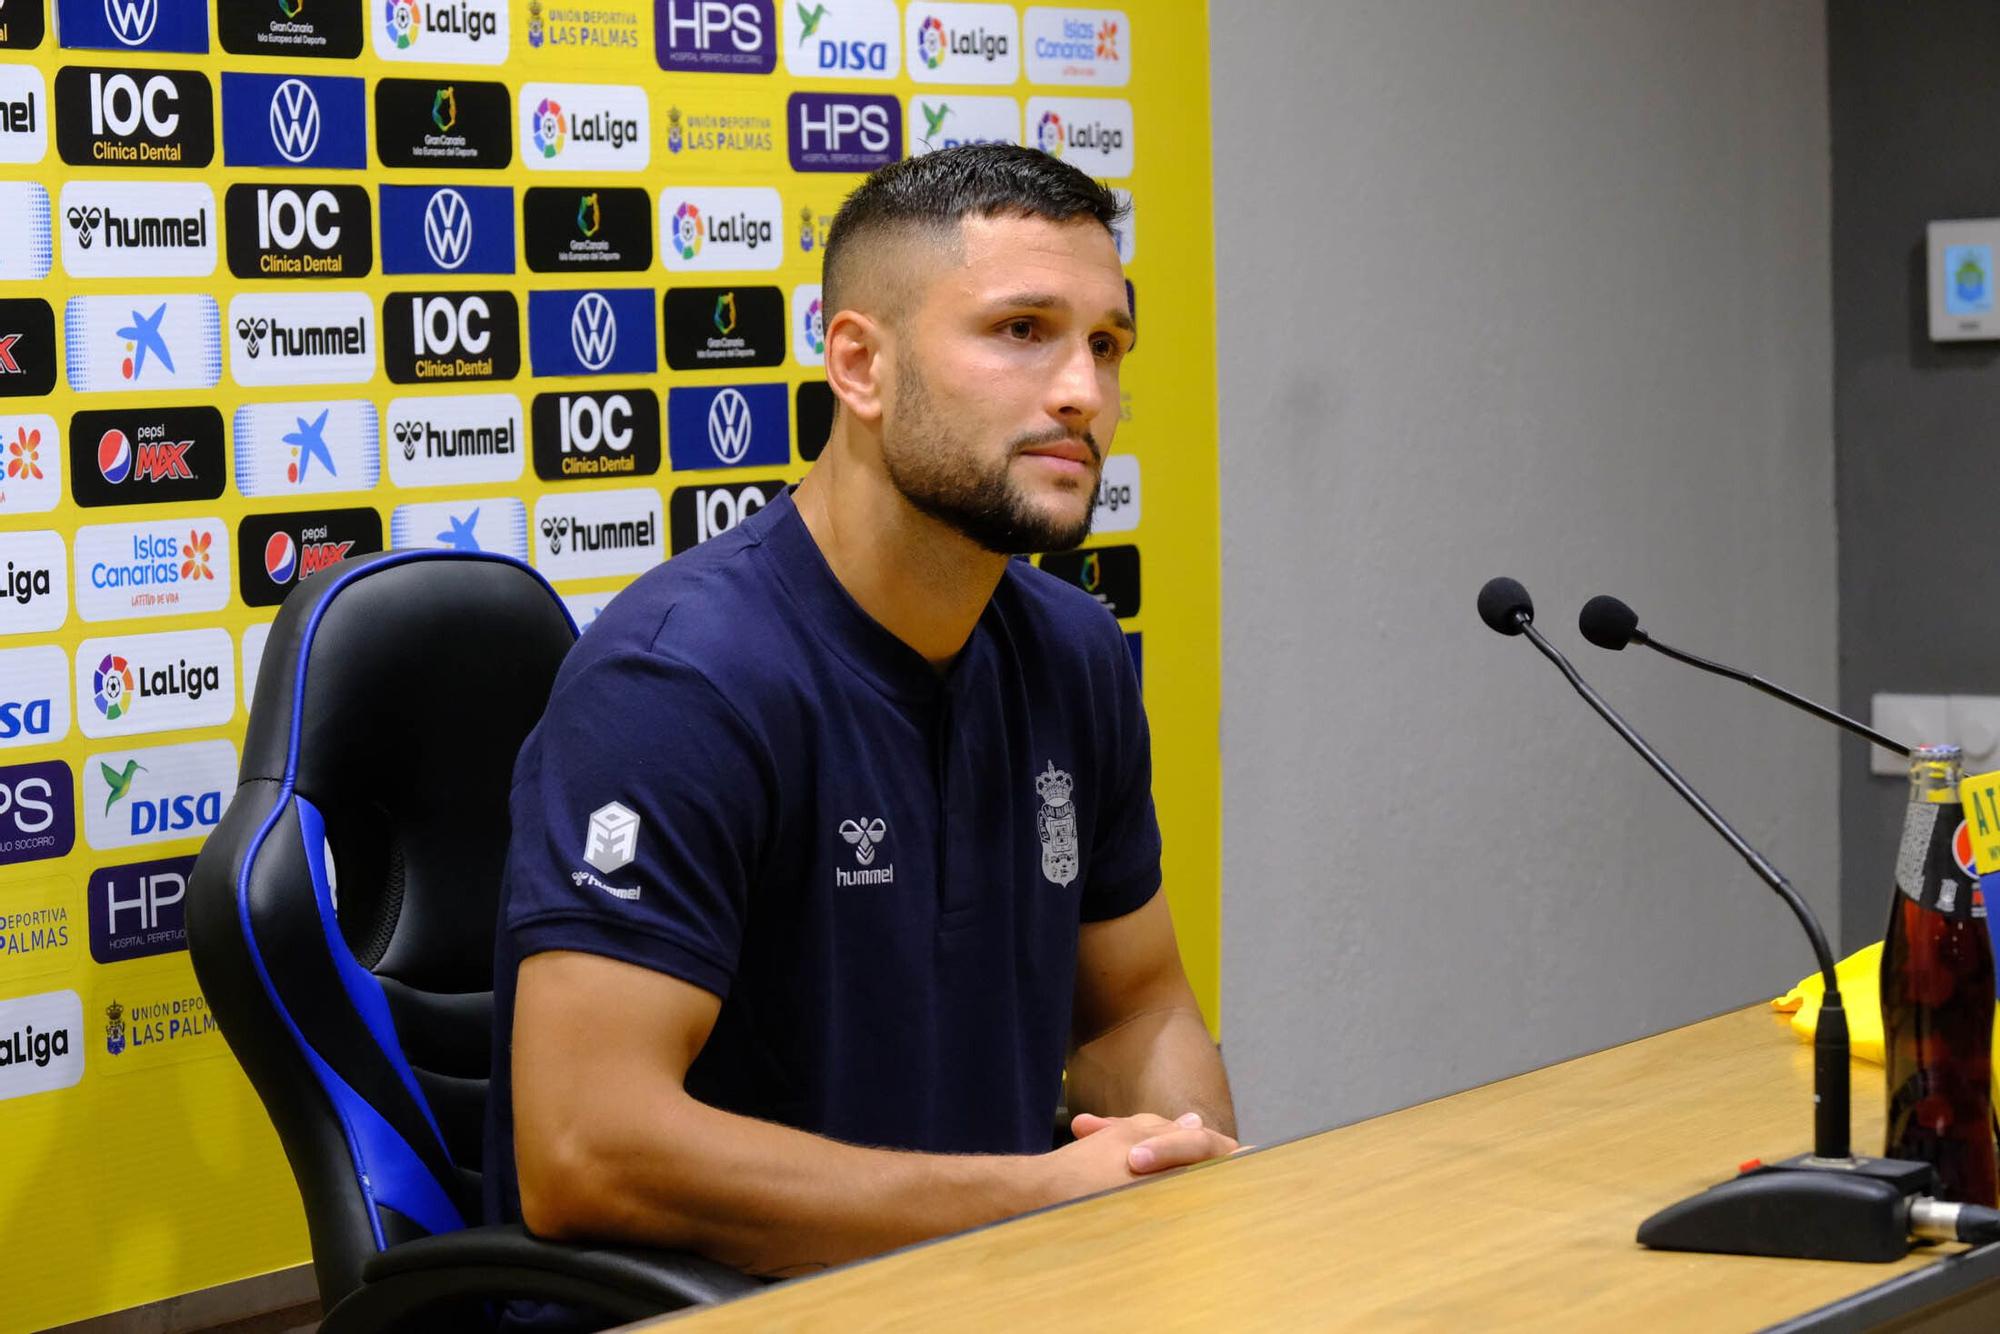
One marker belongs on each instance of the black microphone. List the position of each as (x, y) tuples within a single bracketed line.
[(1609, 623), (1826, 1205)]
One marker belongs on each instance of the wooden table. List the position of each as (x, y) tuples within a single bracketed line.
[(1511, 1206)]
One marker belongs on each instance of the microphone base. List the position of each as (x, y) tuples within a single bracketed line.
[(1802, 1208)]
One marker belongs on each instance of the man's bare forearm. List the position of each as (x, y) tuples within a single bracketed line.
[(1160, 1060), (761, 1197)]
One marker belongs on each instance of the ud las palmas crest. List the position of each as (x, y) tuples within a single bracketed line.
[(1056, 823)]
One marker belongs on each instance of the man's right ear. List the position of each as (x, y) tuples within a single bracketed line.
[(857, 366)]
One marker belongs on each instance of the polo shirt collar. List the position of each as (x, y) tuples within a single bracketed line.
[(860, 640)]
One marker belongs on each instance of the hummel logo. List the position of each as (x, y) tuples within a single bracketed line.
[(252, 333), (407, 435), (85, 221), (864, 835), (555, 530)]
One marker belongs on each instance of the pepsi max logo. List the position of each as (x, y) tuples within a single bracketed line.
[(1961, 850), (282, 550), (142, 457)]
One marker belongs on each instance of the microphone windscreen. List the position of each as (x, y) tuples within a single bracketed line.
[(1607, 622), (1503, 603)]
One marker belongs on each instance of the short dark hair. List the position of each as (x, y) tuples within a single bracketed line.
[(941, 189)]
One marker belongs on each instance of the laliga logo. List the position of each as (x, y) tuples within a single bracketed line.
[(593, 331), (729, 426), (404, 18), (111, 686), (294, 120), (687, 231), (815, 329), (252, 333), (548, 127), (930, 42), (447, 228), (131, 21), (1049, 134), (555, 530)]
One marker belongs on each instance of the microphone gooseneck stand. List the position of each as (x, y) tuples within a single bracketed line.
[(1830, 1204)]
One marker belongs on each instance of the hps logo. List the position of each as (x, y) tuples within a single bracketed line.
[(715, 36), (37, 812), (844, 131)]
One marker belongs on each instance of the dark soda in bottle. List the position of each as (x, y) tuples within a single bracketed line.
[(1937, 993)]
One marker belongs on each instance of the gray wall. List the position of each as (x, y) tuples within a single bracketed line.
[(1914, 102), (1533, 288)]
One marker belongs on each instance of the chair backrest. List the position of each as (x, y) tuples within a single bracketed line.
[(341, 916)]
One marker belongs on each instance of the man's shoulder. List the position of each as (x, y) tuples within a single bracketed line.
[(715, 611), (1063, 617)]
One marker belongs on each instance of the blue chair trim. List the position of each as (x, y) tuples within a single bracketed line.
[(409, 1187)]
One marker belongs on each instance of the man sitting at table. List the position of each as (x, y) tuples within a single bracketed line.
[(837, 841)]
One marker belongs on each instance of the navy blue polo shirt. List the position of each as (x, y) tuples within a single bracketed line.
[(746, 782)]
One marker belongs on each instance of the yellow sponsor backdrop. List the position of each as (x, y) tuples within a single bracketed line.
[(155, 1172)]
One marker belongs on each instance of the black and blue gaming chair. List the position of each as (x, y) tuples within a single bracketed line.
[(341, 923)]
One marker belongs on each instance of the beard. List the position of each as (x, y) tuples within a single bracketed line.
[(943, 477)]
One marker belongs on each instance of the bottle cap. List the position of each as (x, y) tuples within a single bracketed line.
[(1936, 754)]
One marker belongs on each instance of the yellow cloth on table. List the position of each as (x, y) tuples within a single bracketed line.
[(1860, 975)]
